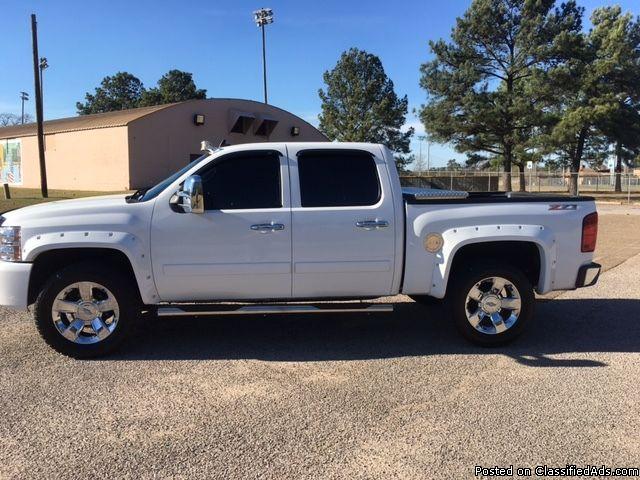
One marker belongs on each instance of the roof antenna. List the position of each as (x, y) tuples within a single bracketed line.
[(223, 143)]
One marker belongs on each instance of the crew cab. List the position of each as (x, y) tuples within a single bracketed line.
[(273, 228)]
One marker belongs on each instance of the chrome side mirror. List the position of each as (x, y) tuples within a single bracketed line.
[(191, 195)]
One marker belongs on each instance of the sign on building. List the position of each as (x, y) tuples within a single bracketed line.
[(11, 161)]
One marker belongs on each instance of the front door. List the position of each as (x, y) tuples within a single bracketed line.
[(240, 247)]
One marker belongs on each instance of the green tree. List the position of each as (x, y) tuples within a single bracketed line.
[(453, 164), (597, 94), (174, 86), (477, 161), (622, 130), (360, 105), (403, 163), (617, 38), (119, 92), (123, 90), (476, 97)]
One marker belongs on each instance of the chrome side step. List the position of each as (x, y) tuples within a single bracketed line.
[(210, 310)]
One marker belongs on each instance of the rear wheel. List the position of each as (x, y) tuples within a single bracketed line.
[(491, 304), (86, 310)]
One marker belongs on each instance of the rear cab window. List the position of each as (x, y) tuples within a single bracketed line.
[(338, 178)]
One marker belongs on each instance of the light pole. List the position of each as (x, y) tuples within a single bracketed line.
[(421, 165), (43, 66), (263, 17), (24, 97), (422, 138)]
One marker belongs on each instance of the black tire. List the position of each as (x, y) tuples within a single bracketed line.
[(121, 286), (426, 300), (464, 281)]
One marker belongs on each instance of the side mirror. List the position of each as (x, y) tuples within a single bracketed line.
[(191, 195)]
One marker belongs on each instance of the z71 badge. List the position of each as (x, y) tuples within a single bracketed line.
[(563, 207)]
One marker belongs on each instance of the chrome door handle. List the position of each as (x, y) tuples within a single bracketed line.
[(372, 224), (267, 227)]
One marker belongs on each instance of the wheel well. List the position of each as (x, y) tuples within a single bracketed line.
[(523, 255), (47, 263)]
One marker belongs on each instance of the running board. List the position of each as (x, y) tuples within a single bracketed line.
[(210, 310)]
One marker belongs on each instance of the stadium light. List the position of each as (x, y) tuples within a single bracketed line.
[(263, 17)]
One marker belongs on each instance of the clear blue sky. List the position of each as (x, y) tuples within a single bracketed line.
[(219, 43)]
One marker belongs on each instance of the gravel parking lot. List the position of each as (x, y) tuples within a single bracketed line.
[(342, 396)]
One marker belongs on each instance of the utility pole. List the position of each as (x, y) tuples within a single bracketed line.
[(263, 17), (24, 97), (39, 115)]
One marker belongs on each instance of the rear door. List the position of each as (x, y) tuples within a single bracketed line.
[(344, 228)]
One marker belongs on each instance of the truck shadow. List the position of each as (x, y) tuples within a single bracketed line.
[(560, 327)]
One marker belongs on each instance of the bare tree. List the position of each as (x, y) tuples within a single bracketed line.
[(419, 165), (10, 119)]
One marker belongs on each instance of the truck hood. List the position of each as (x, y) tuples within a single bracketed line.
[(81, 211)]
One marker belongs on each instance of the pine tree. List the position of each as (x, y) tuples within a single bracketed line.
[(476, 97), (360, 105)]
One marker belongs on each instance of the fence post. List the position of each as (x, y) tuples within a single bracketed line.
[(7, 193), (451, 183), (629, 189)]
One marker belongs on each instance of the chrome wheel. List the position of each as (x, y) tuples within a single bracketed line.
[(85, 312), (493, 305)]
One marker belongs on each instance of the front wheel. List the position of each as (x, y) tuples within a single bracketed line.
[(491, 304), (86, 310)]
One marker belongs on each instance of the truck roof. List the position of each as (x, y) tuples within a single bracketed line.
[(307, 145)]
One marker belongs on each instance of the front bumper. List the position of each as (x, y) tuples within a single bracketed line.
[(588, 275), (14, 284)]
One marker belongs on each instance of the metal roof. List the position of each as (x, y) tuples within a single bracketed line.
[(82, 122)]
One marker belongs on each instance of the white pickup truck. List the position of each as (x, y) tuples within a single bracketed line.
[(271, 228)]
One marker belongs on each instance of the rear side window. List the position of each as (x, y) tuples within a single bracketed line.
[(243, 180), (338, 178)]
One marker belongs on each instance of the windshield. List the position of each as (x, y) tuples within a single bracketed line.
[(145, 194)]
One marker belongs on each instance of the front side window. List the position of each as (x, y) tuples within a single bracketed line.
[(243, 180), (338, 178)]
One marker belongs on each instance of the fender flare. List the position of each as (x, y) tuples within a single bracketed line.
[(134, 250), (456, 238)]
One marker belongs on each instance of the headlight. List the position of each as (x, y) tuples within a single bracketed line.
[(10, 244)]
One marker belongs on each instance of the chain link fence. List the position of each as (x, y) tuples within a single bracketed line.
[(483, 181)]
